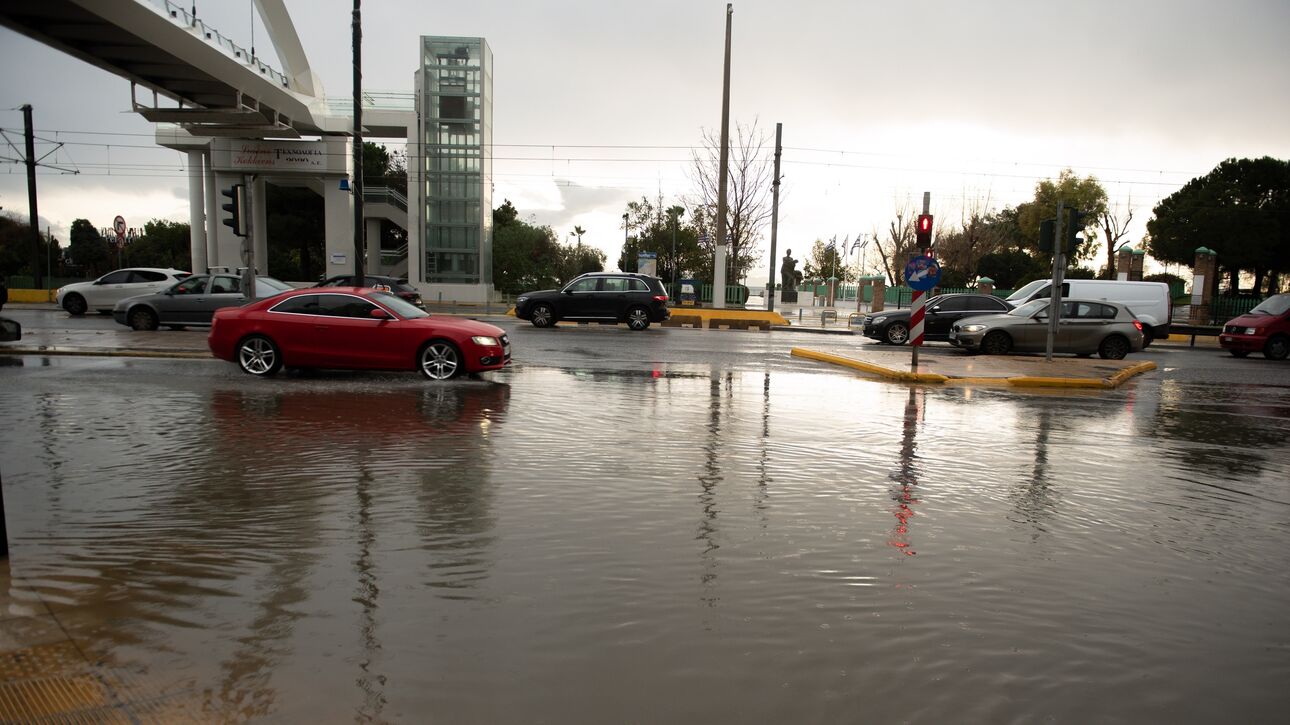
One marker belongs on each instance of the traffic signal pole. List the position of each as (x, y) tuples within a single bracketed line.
[(916, 312)]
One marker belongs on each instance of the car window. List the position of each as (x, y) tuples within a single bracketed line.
[(120, 276), (191, 286), (639, 285), (584, 285), (299, 305), (987, 303), (952, 304), (1030, 308), (345, 306), (222, 285), (614, 284), (147, 275)]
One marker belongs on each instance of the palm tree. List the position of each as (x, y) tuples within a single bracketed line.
[(579, 231)]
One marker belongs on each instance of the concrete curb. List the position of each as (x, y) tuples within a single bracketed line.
[(1023, 381)]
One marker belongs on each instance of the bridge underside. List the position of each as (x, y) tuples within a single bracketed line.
[(214, 93)]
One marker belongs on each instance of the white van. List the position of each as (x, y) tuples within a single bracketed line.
[(1149, 301)]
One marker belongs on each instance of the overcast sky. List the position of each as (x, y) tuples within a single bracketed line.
[(880, 101)]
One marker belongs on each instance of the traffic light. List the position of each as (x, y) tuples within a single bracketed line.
[(1074, 225), (923, 231), (1047, 235), (236, 195)]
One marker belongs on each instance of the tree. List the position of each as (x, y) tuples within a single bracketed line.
[(653, 227), (578, 232), (1012, 268), (528, 257), (1086, 195), (1241, 210), (747, 195), (163, 244), (901, 243), (88, 250), (826, 261), (15, 249), (1115, 227)]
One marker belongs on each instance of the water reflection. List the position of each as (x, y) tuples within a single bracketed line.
[(906, 474)]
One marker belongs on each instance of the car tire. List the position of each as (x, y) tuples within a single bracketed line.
[(258, 355), (1148, 336), (638, 318), (1239, 353), (542, 315), (142, 319), (996, 343), (1114, 347), (75, 305), (897, 333), (440, 360), (1277, 347)]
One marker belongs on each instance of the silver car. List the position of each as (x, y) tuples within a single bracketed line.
[(192, 301), (1085, 327)]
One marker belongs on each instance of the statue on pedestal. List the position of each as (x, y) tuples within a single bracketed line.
[(788, 278)]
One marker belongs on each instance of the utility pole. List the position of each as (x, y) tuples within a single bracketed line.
[(1055, 295), (719, 244), (30, 138), (774, 219), (360, 251)]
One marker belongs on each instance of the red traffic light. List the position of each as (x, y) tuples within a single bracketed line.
[(923, 230)]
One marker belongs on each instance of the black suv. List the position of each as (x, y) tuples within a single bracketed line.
[(892, 326), (605, 297), (393, 285)]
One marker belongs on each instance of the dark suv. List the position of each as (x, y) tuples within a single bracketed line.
[(394, 285), (605, 297)]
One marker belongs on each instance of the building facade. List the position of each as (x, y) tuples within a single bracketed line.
[(455, 134)]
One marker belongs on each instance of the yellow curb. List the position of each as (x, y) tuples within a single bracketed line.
[(510, 312), (1118, 379), (32, 295), (869, 367), (1023, 381), (1027, 381)]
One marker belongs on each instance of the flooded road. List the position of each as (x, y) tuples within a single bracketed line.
[(684, 543)]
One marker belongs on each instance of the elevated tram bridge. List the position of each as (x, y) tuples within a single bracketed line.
[(238, 118)]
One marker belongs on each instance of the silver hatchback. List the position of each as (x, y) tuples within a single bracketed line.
[(1085, 327)]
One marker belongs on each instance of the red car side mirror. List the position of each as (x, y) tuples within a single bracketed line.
[(379, 314)]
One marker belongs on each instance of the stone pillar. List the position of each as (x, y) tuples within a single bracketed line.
[(196, 212), (212, 218), (1123, 261), (985, 286), (879, 294), (372, 235), (1202, 276), (1135, 266), (338, 216), (832, 293)]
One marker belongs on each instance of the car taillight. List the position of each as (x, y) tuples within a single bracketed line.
[(1138, 324), (660, 298)]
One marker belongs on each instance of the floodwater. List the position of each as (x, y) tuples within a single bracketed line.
[(680, 545)]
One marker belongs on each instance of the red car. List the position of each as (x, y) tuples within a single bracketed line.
[(353, 328), (1266, 329)]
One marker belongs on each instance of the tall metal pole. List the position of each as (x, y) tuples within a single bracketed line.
[(360, 251), (774, 218), (1054, 295), (719, 265), (30, 137), (672, 289)]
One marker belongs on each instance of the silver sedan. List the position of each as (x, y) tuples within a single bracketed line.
[(1085, 327)]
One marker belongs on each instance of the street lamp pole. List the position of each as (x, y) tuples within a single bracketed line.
[(624, 240)]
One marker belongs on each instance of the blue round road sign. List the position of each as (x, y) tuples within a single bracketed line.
[(922, 273)]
